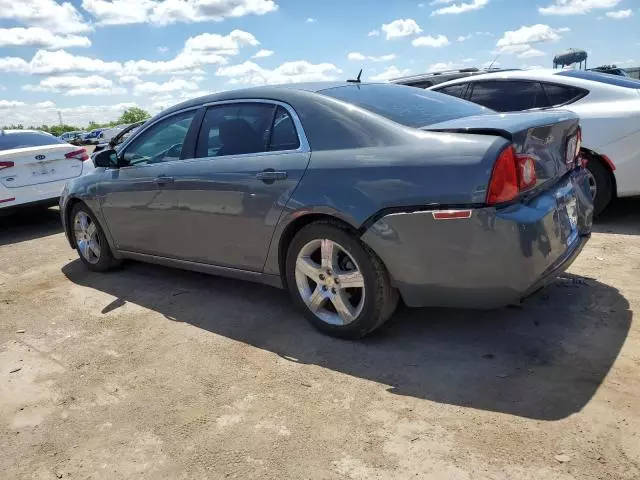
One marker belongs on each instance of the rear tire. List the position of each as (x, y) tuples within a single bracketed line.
[(323, 258), (600, 183), (90, 241)]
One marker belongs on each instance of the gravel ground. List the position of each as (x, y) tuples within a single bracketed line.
[(154, 373)]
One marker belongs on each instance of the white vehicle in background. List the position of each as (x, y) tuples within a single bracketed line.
[(35, 166), (609, 110)]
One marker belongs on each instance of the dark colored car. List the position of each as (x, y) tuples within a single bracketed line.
[(426, 80), (349, 195)]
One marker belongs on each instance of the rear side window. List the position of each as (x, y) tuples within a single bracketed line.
[(458, 90), (405, 105), (561, 94), (509, 95), (283, 132), (9, 141)]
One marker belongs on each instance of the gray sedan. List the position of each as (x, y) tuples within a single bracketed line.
[(349, 195)]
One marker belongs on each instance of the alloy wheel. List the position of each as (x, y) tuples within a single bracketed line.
[(86, 234), (330, 282)]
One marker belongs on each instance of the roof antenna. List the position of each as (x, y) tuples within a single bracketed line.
[(494, 61), (357, 79)]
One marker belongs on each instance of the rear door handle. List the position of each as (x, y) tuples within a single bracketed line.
[(269, 175), (163, 180)]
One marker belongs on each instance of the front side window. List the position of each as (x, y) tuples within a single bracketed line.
[(509, 95), (160, 143), (240, 128)]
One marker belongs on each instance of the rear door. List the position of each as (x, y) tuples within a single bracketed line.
[(250, 157), (138, 200)]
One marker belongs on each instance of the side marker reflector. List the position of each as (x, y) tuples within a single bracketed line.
[(5, 200), (451, 214)]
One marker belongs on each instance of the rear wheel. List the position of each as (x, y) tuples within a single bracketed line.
[(90, 240), (600, 184), (341, 286)]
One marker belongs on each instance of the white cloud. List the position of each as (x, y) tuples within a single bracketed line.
[(46, 62), (374, 33), (197, 78), (49, 14), (619, 14), (460, 8), (163, 49), (402, 27), (311, 20), (468, 60), (628, 61), (263, 53), (359, 57), (220, 44), (289, 72), (40, 37), (442, 66), (47, 113), (519, 41), (463, 38), (163, 12), (389, 73), (530, 53), (10, 104), (72, 85), (576, 7), (429, 41), (532, 67), (173, 85), (130, 79)]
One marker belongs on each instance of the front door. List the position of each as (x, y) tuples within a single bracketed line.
[(138, 200), (249, 159)]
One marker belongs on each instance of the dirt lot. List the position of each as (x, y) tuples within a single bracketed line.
[(154, 373)]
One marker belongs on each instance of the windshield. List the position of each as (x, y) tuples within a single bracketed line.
[(9, 141), (405, 105), (607, 78)]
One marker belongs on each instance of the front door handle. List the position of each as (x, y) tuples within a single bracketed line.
[(270, 175), (163, 180)]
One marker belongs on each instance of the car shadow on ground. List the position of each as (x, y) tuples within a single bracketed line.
[(621, 217), (25, 224), (544, 360)]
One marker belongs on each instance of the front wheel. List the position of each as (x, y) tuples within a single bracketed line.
[(341, 286), (90, 240)]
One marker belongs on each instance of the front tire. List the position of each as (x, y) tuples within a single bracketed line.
[(341, 286), (90, 241)]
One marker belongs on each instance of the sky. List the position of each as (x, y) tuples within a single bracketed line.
[(88, 60)]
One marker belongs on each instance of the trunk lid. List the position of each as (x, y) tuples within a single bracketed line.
[(550, 138), (36, 165)]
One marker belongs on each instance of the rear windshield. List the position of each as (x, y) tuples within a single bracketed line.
[(607, 78), (405, 105), (13, 140)]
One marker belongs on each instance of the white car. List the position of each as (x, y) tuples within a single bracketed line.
[(609, 110), (35, 166)]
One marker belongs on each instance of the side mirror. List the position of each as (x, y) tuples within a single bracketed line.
[(106, 158)]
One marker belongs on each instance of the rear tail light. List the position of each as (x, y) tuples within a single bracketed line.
[(573, 149), (77, 155), (512, 174), (4, 165)]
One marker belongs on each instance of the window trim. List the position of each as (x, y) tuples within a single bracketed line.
[(302, 137)]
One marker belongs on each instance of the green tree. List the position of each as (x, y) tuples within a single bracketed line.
[(132, 115)]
